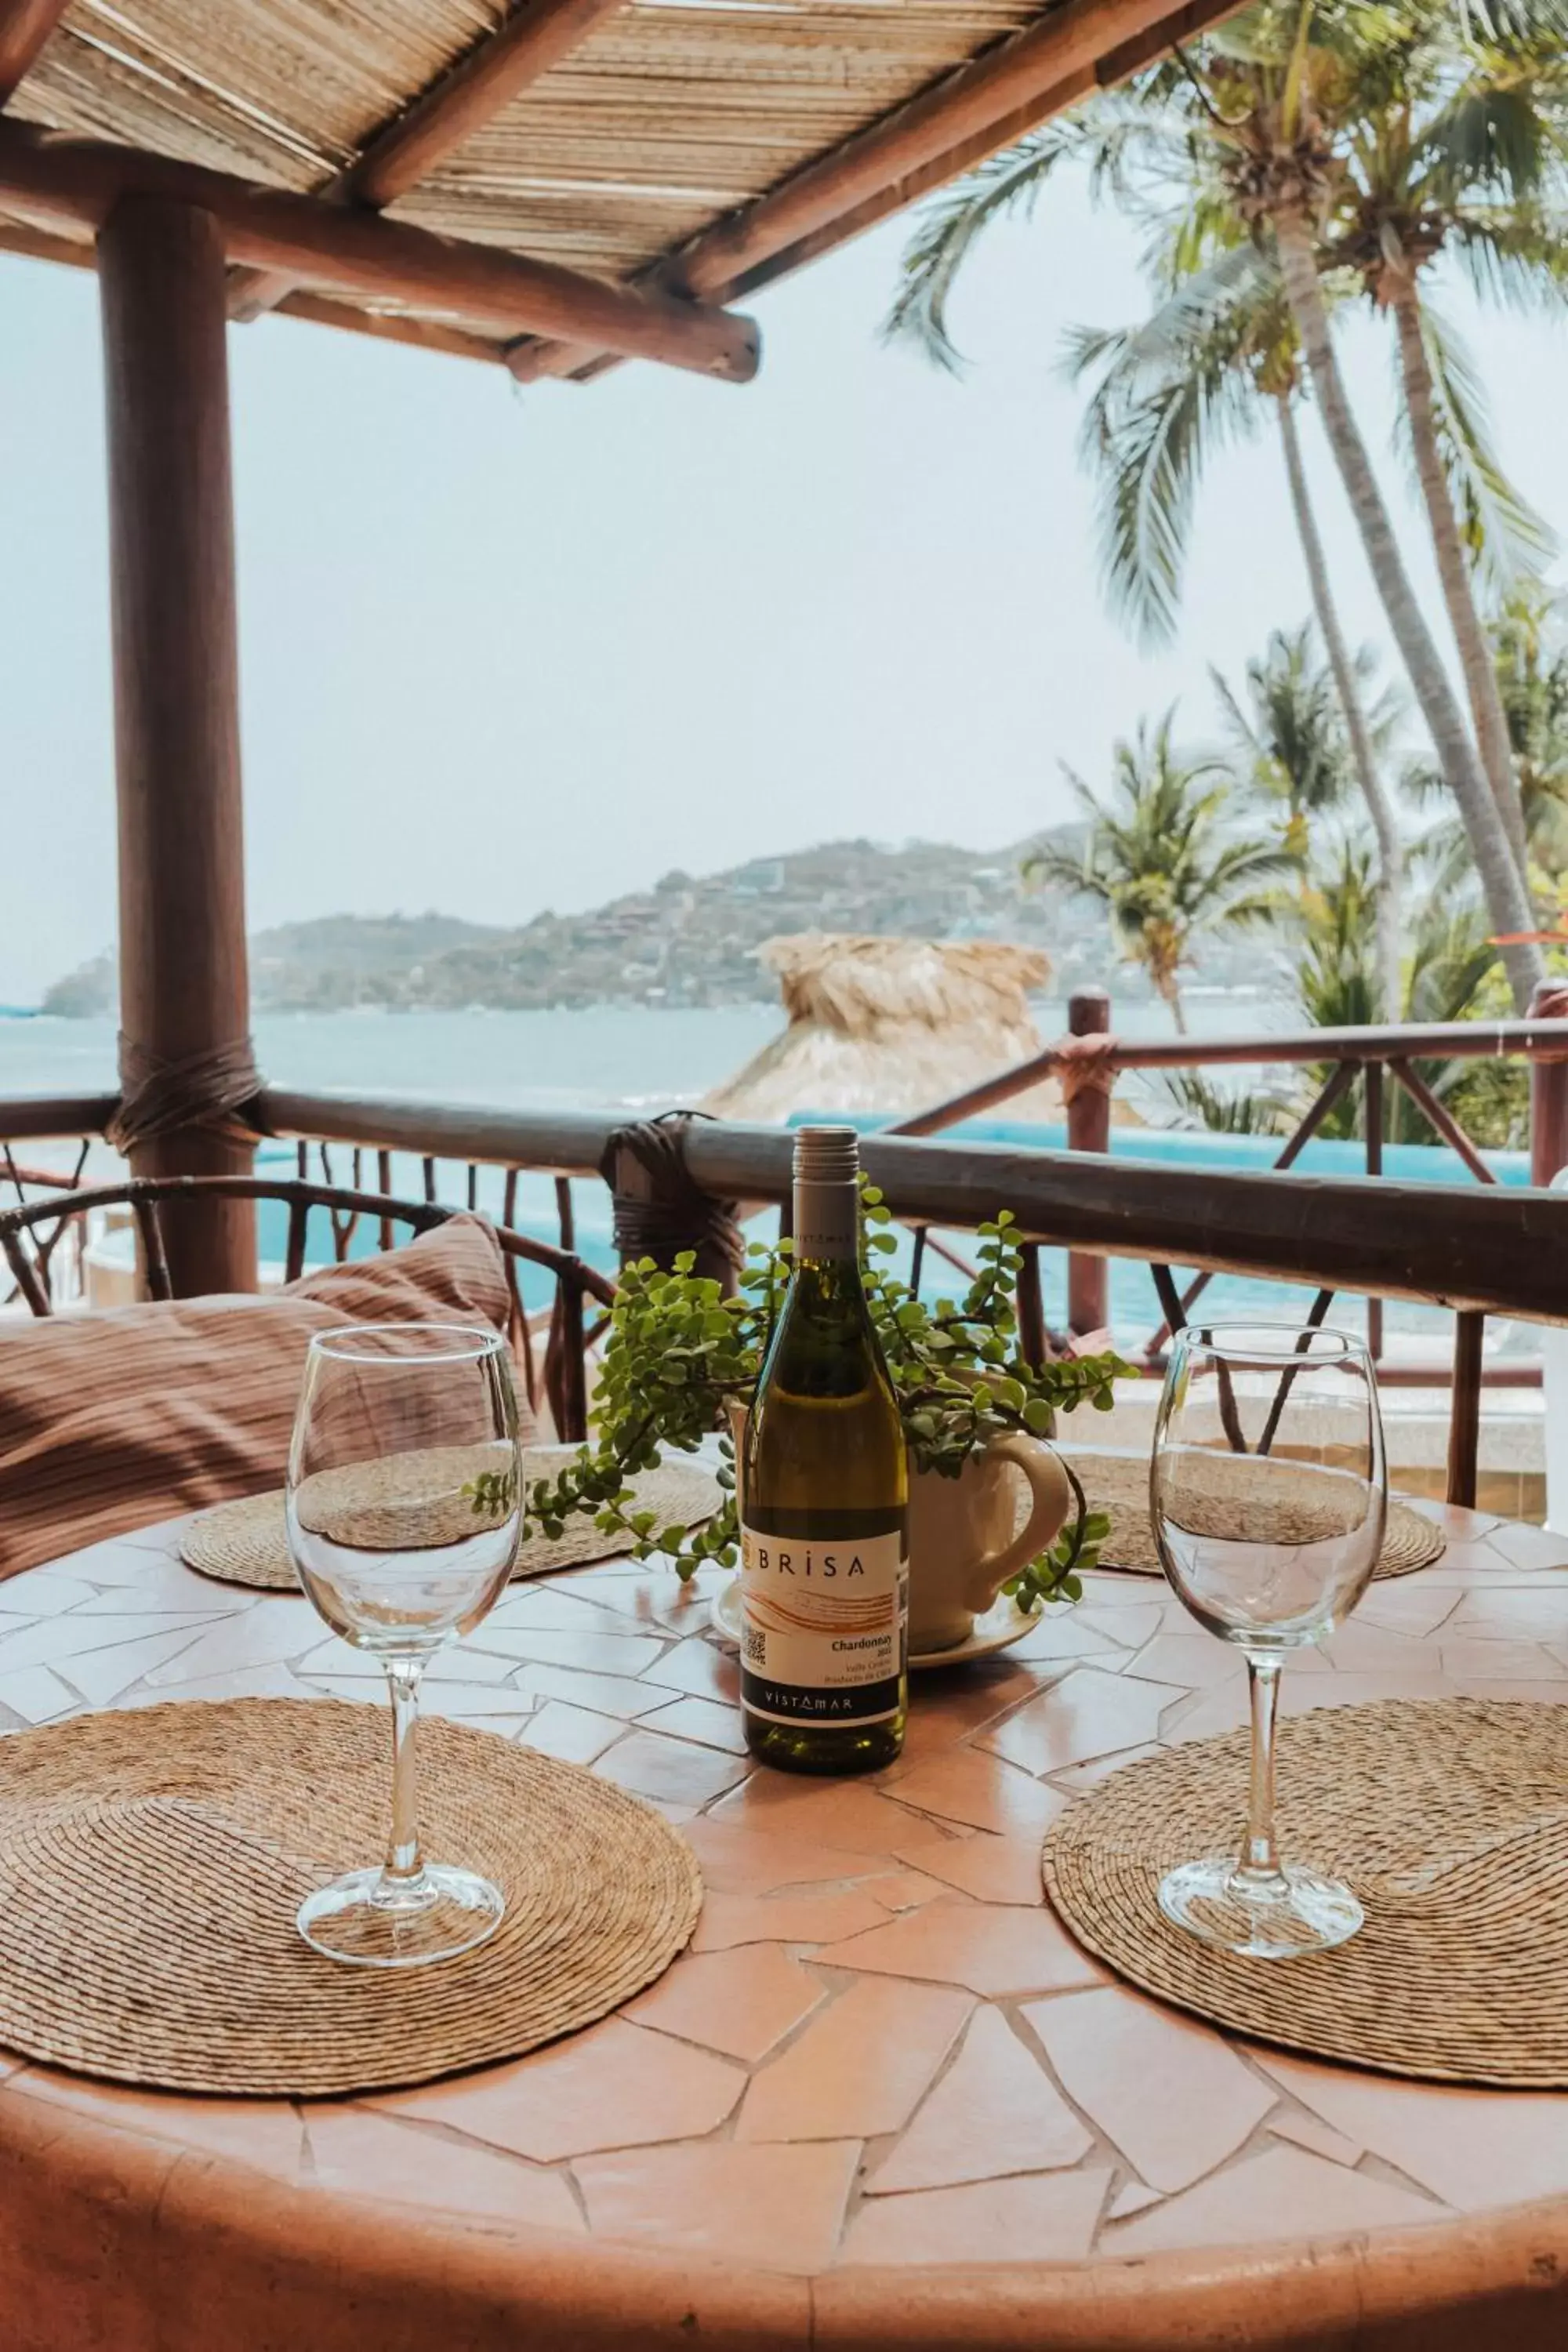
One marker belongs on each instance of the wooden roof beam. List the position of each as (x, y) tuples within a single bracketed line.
[(467, 95), (424, 334), (337, 249), (1008, 90), (24, 26)]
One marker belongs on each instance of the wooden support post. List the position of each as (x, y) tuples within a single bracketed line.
[(1548, 1091), (1371, 1083), (1088, 1129), (183, 984), (1465, 1413)]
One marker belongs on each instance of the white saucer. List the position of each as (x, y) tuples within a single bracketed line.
[(1002, 1624)]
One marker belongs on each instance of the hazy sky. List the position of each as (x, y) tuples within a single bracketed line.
[(505, 651)]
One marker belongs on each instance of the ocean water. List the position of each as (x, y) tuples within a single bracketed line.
[(641, 1059)]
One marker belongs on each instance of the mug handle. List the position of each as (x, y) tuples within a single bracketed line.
[(1050, 1501)]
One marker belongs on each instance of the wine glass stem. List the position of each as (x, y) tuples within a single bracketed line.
[(404, 1865), (1259, 1854)]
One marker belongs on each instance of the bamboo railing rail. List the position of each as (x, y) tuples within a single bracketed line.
[(1408, 1241), (1498, 1250), (24, 26)]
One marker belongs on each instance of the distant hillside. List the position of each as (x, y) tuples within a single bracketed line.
[(690, 940), (340, 960), (327, 964)]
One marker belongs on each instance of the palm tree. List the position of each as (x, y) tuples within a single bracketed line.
[(1159, 857), (1288, 99), (1531, 658), (1218, 351), (1250, 134), (1449, 142), (1451, 961), (1287, 731)]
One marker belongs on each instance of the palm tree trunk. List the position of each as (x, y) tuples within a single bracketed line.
[(1507, 901), (1380, 807), (1168, 986), (1475, 654)]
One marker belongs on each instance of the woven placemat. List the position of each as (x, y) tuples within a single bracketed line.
[(1119, 1485), (246, 1542), (1449, 1817), (152, 1863)]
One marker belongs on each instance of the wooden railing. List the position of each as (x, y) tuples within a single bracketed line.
[(1498, 1250), (1086, 1063)]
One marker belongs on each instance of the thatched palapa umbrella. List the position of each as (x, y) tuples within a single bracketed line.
[(892, 1025)]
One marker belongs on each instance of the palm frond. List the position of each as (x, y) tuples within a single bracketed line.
[(1490, 136), (1198, 1102), (1169, 391), (1506, 539), (945, 232), (1515, 255)]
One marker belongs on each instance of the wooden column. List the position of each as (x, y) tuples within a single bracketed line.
[(184, 992)]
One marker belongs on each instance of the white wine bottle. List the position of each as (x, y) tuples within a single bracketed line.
[(824, 1502)]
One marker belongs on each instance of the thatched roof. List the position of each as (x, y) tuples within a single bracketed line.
[(692, 149), (892, 1026)]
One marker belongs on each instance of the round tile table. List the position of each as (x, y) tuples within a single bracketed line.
[(883, 2100)]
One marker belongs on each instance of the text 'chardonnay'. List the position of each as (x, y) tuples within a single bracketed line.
[(823, 1501)]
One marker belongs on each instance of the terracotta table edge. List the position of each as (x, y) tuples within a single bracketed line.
[(210, 2236)]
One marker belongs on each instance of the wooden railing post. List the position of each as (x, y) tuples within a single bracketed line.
[(1548, 1091), (1464, 1410), (1088, 1129), (183, 989), (659, 1210)]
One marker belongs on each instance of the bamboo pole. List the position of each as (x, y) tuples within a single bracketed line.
[(24, 26), (1010, 90), (1498, 1247), (1536, 1038), (82, 180), (182, 969), (470, 93)]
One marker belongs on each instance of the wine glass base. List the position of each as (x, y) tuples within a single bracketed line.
[(372, 1924), (1273, 1915)]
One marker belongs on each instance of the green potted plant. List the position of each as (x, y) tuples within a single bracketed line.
[(680, 1354)]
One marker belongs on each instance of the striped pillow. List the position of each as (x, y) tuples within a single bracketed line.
[(110, 1422)]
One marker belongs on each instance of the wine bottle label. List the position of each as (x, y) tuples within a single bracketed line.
[(824, 1626)]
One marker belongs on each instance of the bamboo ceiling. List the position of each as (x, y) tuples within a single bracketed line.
[(693, 148)]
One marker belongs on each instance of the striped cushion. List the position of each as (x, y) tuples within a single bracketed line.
[(110, 1422)]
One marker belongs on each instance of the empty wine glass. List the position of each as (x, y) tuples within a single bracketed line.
[(1268, 1493), (403, 1501)]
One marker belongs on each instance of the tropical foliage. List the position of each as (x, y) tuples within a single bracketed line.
[(1305, 155), (680, 1351), (1163, 859)]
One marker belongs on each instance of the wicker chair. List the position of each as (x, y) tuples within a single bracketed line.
[(30, 1233)]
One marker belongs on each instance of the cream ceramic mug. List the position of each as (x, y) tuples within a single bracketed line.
[(964, 1537)]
